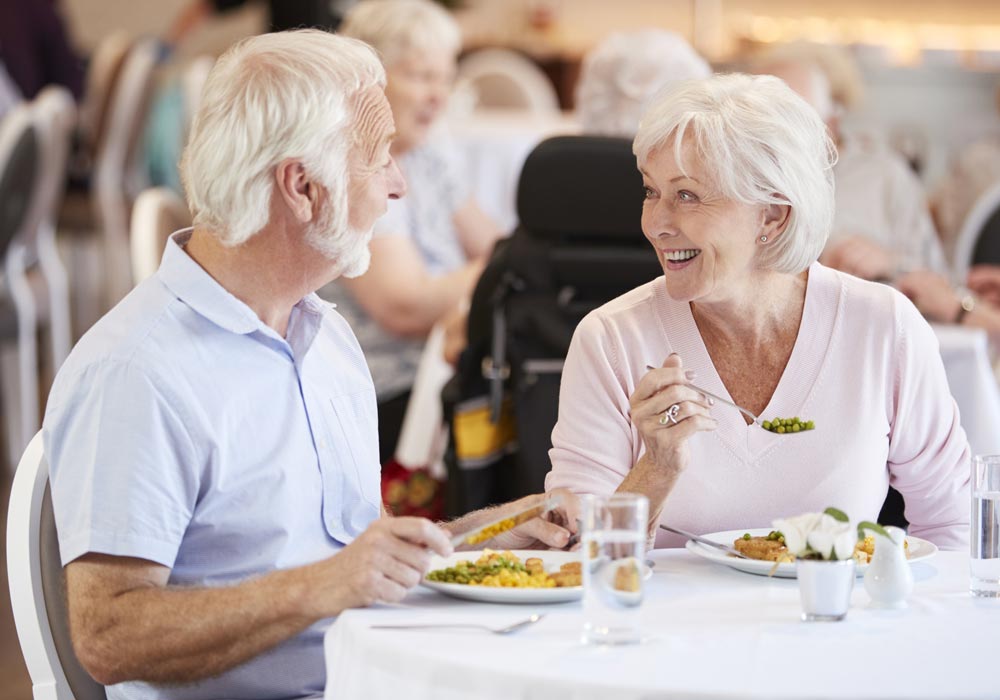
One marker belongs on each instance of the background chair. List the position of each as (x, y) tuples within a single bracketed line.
[(37, 586), (157, 213), (19, 162), (978, 240), (579, 244), (54, 121), (501, 78)]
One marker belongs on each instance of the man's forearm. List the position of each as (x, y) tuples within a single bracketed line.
[(176, 635)]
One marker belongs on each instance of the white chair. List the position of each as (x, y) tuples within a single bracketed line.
[(157, 213), (192, 83), (19, 165), (54, 120), (501, 78), (115, 180), (968, 236), (37, 587)]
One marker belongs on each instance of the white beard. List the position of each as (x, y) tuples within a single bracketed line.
[(348, 249)]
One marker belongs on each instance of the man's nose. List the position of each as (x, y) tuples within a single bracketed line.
[(397, 183)]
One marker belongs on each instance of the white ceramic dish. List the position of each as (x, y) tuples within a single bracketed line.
[(918, 549), (517, 596)]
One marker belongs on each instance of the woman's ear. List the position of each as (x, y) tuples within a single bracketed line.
[(297, 190), (776, 217)]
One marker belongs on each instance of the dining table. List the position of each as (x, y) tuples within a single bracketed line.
[(709, 631)]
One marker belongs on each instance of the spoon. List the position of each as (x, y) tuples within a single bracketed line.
[(739, 408)]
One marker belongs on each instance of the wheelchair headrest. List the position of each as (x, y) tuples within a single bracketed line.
[(581, 187)]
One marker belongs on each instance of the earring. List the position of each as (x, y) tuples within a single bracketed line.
[(763, 239)]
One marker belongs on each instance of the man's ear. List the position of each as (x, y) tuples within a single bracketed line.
[(776, 217), (297, 189)]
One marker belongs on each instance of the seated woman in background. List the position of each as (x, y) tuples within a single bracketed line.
[(739, 203), (429, 248)]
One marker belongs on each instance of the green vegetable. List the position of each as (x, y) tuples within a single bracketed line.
[(788, 425), (746, 535)]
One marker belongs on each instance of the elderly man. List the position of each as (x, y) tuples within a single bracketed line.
[(212, 440), (882, 225)]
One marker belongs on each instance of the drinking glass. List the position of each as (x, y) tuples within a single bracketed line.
[(985, 539), (613, 536)]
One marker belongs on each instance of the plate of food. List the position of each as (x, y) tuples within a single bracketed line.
[(769, 557), (518, 577)]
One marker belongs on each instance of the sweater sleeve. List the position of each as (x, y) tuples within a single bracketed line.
[(592, 442), (929, 453)]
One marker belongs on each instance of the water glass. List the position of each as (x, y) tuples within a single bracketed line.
[(613, 536), (985, 537)]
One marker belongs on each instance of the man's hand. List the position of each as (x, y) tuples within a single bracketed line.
[(550, 531), (932, 294), (380, 566), (861, 257)]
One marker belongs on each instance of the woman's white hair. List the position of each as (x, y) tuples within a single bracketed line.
[(762, 144), (396, 27), (268, 98), (622, 74)]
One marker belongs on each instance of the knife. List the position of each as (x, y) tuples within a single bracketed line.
[(704, 540), (494, 527)]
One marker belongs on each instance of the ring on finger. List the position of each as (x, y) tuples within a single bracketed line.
[(670, 415)]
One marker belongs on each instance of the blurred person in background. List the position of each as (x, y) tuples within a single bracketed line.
[(882, 225), (35, 49), (978, 306), (430, 248), (9, 94), (622, 74), (971, 173)]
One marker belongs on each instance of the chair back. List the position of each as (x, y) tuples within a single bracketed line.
[(54, 121), (501, 78), (978, 240), (37, 586), (18, 174), (114, 182), (192, 83), (157, 213)]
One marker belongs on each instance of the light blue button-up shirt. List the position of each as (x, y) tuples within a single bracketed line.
[(184, 431)]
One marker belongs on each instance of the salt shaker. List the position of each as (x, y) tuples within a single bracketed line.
[(888, 579)]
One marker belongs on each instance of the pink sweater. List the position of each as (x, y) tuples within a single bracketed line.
[(865, 368)]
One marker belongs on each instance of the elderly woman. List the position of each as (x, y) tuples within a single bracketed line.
[(739, 202), (429, 248)]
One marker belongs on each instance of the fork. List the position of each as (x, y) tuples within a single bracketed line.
[(751, 416), (509, 629)]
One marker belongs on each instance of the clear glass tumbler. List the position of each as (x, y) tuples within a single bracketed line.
[(985, 536), (613, 536)]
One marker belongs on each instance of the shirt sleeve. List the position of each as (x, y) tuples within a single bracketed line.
[(122, 466), (592, 442), (929, 453)]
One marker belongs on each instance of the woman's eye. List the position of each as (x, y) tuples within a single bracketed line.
[(686, 196), (647, 193)]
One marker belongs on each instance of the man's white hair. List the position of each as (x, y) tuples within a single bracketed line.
[(396, 27), (762, 144), (623, 73), (268, 98)]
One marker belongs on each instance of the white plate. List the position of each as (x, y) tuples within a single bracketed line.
[(489, 594), (919, 549)]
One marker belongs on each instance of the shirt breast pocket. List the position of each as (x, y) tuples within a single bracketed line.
[(353, 452)]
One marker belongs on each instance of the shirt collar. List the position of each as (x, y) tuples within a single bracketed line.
[(196, 288)]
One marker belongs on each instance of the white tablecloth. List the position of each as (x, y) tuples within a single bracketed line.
[(965, 352), (714, 633), (494, 145)]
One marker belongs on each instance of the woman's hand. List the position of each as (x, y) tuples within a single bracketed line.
[(932, 294), (666, 412), (984, 280)]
